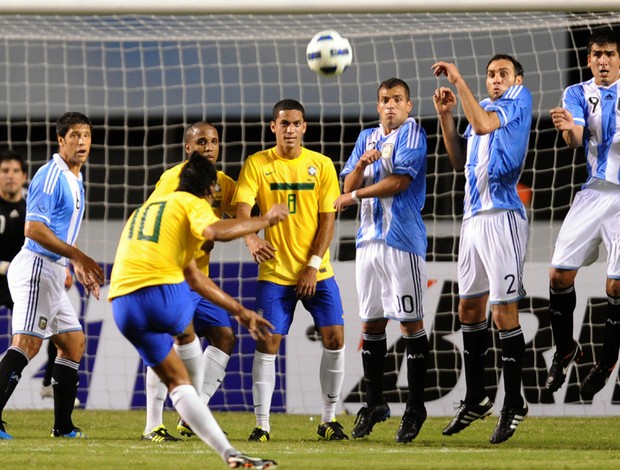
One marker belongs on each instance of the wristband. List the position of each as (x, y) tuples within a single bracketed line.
[(354, 196), (315, 262)]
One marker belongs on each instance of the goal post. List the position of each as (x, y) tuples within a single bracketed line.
[(142, 78)]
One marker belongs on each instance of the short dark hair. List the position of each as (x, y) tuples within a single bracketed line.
[(605, 36), (287, 105), (515, 63), (70, 119), (196, 125), (197, 176), (10, 155), (394, 82)]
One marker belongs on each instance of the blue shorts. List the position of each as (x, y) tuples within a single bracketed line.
[(277, 304), (207, 315), (150, 317)]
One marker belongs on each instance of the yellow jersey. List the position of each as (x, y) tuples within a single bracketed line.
[(308, 184), (222, 200), (158, 241)]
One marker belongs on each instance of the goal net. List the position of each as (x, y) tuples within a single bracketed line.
[(143, 78)]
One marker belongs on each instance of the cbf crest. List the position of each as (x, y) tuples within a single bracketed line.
[(312, 171)]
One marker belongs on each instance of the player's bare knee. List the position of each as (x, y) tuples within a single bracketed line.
[(561, 278), (332, 337), (28, 344), (613, 287), (222, 338)]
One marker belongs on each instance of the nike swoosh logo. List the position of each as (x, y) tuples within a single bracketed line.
[(332, 396), (270, 173)]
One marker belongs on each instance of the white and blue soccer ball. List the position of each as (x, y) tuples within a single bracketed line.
[(329, 54)]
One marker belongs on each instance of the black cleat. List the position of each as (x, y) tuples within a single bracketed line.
[(559, 368), (410, 425), (245, 461), (467, 414), (159, 434), (509, 419), (595, 381), (367, 417), (259, 435), (331, 431)]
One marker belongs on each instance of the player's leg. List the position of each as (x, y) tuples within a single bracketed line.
[(577, 245), (326, 310), (70, 347), (156, 392), (473, 297), (214, 324), (34, 287), (188, 347), (23, 348), (506, 239), (600, 373), (369, 276), (402, 296), (417, 353), (277, 304), (143, 317)]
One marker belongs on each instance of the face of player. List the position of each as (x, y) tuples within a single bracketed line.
[(501, 75), (12, 180), (393, 107), (289, 129), (204, 140), (74, 147), (604, 62)]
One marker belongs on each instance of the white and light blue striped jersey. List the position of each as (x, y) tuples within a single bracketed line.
[(397, 219), (597, 109), (495, 160), (55, 198)]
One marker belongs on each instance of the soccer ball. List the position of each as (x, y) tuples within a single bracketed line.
[(329, 54)]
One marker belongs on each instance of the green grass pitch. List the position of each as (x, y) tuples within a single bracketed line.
[(114, 442)]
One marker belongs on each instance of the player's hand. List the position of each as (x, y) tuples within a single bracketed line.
[(368, 158), (259, 328), (260, 249), (88, 273), (306, 283), (344, 201), (562, 119), (449, 70), (444, 100), (277, 214)]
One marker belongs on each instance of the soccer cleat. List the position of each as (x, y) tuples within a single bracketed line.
[(245, 461), (559, 368), (367, 417), (410, 425), (183, 428), (75, 434), (47, 391), (159, 434), (3, 434), (509, 419), (259, 435), (467, 414), (331, 431), (595, 381)]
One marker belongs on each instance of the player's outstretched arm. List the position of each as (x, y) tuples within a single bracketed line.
[(230, 229), (445, 101), (86, 269), (260, 249), (258, 327)]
